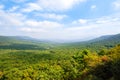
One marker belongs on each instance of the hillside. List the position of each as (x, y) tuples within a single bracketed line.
[(22, 42), (106, 41), (103, 42)]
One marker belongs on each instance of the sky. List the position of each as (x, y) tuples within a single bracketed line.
[(60, 20)]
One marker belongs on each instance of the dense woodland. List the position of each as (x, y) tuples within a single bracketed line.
[(86, 61), (60, 64)]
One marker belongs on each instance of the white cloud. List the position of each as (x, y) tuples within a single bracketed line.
[(14, 8), (11, 19), (31, 7), (82, 29), (43, 24), (19, 1), (107, 19), (33, 30), (93, 28), (116, 5), (19, 20), (80, 21), (52, 16), (51, 5), (1, 6), (93, 7), (56, 5)]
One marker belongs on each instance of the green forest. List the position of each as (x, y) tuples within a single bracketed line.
[(72, 64), (92, 60)]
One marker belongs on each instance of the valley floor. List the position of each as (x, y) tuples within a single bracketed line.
[(72, 64)]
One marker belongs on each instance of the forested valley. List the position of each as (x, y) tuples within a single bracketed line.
[(98, 59)]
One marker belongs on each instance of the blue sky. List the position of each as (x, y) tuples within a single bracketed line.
[(60, 19)]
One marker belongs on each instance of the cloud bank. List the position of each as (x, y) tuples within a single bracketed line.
[(46, 19)]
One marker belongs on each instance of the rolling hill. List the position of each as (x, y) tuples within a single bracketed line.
[(103, 42), (24, 42)]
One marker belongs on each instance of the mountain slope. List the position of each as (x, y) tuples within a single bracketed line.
[(96, 44), (107, 38), (22, 42)]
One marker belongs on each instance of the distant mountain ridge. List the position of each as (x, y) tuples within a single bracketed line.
[(23, 42), (106, 37), (20, 42), (103, 42), (100, 38)]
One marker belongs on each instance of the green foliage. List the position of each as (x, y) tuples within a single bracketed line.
[(108, 67), (60, 64)]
